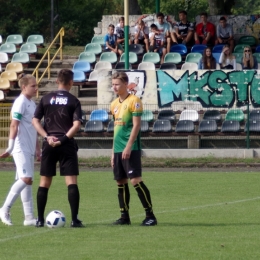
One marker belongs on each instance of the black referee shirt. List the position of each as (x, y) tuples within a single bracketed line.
[(59, 109)]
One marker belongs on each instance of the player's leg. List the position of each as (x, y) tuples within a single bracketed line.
[(135, 175), (23, 178), (123, 190), (69, 169), (47, 171)]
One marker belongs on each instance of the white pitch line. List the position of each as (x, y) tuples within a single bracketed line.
[(160, 212)]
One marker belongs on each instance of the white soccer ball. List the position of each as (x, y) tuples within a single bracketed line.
[(55, 219)]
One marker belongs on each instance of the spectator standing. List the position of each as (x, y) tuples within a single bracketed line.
[(225, 33), (207, 61), (184, 30), (227, 60), (205, 31)]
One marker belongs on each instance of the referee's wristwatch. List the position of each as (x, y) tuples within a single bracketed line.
[(45, 138)]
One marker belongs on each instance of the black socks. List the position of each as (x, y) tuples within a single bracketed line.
[(124, 199), (42, 196), (73, 197)]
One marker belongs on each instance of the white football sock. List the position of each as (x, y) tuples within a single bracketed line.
[(14, 192), (27, 200)]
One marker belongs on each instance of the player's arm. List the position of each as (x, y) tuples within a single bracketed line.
[(135, 130), (12, 135)]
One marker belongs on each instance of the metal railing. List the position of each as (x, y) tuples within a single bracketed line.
[(59, 35)]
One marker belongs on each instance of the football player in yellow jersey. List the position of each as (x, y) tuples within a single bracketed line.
[(126, 154)]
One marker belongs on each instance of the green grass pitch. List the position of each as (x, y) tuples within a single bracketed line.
[(201, 215)]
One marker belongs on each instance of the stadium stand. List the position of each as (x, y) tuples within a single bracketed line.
[(189, 114), (198, 48), (168, 66), (16, 39), (4, 84), (79, 76), (144, 127), (87, 56), (213, 115), (109, 56), (99, 115), (3, 57), (93, 76), (138, 49), (82, 65), (132, 57), (10, 75), (14, 66), (173, 57), (257, 55), (36, 39), (121, 66), (257, 49), (230, 126), (180, 48), (21, 57), (208, 126), (8, 48), (216, 55), (146, 66), (166, 115), (153, 57), (238, 56), (103, 65), (193, 57), (110, 127), (247, 40), (162, 126), (218, 48), (189, 66), (93, 48), (98, 39), (240, 48), (94, 127), (235, 114), (185, 126), (29, 48), (147, 115), (254, 114), (254, 126)]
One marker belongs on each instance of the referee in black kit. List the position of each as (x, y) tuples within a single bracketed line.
[(62, 120)]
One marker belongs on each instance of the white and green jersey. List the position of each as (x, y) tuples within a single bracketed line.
[(23, 111)]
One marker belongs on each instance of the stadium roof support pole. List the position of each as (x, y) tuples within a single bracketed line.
[(157, 2), (126, 29)]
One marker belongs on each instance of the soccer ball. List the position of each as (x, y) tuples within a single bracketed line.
[(55, 219)]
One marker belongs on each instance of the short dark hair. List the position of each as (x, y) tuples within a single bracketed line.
[(183, 12), (222, 18), (204, 14), (122, 18), (111, 25), (65, 76), (120, 75), (153, 26), (159, 15)]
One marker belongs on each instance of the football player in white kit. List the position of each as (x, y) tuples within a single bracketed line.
[(23, 145)]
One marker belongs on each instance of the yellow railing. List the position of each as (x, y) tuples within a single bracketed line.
[(5, 109), (60, 34)]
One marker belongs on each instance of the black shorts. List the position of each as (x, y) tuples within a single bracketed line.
[(130, 168), (65, 154)]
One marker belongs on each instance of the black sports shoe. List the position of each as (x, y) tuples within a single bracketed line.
[(122, 221), (76, 223), (39, 223), (149, 221)]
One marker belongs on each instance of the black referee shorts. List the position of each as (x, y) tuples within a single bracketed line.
[(127, 168), (65, 154)]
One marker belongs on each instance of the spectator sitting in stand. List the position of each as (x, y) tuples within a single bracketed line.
[(184, 30), (226, 59), (225, 33), (120, 33), (205, 31), (111, 41), (157, 42), (207, 61), (142, 34), (249, 62)]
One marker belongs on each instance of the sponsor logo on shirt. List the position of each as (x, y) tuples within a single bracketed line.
[(59, 100), (115, 110), (137, 105)]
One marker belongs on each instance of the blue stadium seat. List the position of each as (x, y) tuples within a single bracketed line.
[(185, 126), (216, 55), (94, 127), (198, 48), (79, 76), (230, 126), (82, 65), (208, 126), (218, 48), (110, 127), (180, 48), (99, 115), (257, 49), (162, 126)]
